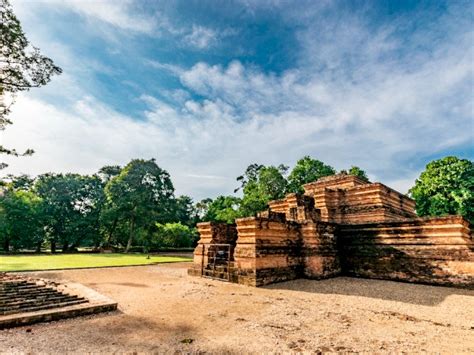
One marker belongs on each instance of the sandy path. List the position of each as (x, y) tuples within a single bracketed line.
[(164, 310)]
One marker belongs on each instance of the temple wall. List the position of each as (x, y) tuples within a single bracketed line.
[(211, 233), (342, 226), (267, 251), (432, 250), (341, 181), (320, 257), (362, 203)]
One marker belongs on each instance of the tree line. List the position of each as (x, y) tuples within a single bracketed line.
[(135, 205)]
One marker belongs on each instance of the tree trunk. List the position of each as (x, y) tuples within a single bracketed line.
[(38, 247), (6, 245), (130, 237), (65, 247), (53, 246)]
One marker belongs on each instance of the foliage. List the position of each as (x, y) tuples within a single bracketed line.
[(262, 186), (307, 170), (445, 187), (21, 66), (71, 206), (184, 211), (223, 209), (140, 195), (356, 171), (173, 235), (20, 218)]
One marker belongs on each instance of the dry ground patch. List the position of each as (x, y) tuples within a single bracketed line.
[(164, 310)]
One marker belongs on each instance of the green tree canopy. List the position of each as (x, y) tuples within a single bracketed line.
[(71, 207), (223, 209), (260, 187), (355, 170), (307, 170), (445, 187), (140, 195), (172, 235), (20, 218)]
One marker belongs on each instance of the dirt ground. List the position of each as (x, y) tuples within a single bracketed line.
[(161, 309)]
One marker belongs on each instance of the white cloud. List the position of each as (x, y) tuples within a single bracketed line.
[(119, 14), (350, 101), (201, 37)]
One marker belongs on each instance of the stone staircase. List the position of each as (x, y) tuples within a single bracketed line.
[(221, 272), (21, 296)]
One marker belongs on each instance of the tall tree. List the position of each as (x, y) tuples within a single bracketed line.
[(307, 170), (141, 195), (267, 184), (22, 67), (20, 216), (445, 187), (71, 205)]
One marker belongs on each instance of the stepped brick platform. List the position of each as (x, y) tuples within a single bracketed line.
[(341, 225), (25, 301)]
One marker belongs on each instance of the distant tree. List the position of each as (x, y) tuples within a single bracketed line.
[(21, 182), (250, 174), (106, 173), (71, 207), (20, 219), (140, 195), (202, 207), (356, 171), (307, 170), (267, 184), (445, 187), (184, 211), (173, 235), (223, 209), (21, 67)]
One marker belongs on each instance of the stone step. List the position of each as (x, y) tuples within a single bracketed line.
[(19, 288), (215, 274), (38, 300), (32, 293), (45, 306)]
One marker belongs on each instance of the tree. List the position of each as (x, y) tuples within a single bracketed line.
[(223, 209), (445, 187), (202, 207), (106, 173), (71, 207), (172, 235), (356, 171), (307, 170), (267, 184), (20, 216), (140, 195), (184, 211), (21, 67)]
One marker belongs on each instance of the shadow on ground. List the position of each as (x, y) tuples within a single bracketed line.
[(378, 289)]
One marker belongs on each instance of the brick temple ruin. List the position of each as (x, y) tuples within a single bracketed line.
[(341, 225)]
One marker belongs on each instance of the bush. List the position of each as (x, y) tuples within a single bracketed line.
[(173, 235)]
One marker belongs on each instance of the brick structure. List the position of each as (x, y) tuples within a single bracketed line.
[(341, 225)]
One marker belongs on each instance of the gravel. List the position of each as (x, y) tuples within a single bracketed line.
[(162, 310)]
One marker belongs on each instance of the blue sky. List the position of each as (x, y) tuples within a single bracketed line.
[(209, 87)]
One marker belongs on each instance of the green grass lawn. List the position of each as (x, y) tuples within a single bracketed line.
[(73, 261)]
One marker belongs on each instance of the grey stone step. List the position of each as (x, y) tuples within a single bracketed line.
[(33, 293), (29, 301), (45, 306)]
